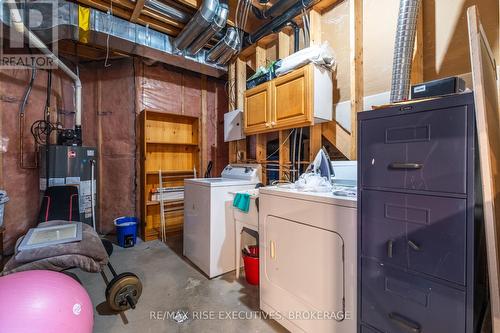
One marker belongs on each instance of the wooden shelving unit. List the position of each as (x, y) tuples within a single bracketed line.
[(169, 143)]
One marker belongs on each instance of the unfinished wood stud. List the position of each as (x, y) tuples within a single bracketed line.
[(356, 68)]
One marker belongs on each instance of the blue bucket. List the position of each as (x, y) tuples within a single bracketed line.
[(126, 230)]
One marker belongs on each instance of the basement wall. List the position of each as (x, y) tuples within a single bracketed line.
[(112, 98), (446, 45)]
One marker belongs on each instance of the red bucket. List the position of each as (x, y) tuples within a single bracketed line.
[(252, 265)]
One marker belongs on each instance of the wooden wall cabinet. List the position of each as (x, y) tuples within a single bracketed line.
[(258, 100), (169, 143), (301, 98)]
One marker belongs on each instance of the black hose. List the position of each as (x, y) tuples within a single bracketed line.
[(275, 10), (208, 172), (296, 35), (258, 13), (280, 21), (27, 92), (47, 134), (22, 122), (49, 91)]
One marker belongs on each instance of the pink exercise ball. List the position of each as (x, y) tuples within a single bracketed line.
[(44, 301)]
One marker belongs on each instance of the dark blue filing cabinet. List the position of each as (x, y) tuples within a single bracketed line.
[(420, 238)]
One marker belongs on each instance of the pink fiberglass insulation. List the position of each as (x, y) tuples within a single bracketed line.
[(112, 99)]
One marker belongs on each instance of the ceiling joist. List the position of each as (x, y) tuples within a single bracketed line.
[(137, 12), (139, 5)]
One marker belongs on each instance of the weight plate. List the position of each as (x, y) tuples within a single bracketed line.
[(121, 286)]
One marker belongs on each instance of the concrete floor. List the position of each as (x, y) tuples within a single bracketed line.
[(171, 283)]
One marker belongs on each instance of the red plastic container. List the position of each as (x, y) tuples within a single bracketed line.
[(252, 265)]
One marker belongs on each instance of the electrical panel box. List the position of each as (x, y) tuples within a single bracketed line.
[(233, 126)]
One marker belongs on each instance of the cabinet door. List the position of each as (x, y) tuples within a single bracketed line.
[(258, 109), (292, 99)]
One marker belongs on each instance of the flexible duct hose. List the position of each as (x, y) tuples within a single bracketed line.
[(403, 49)]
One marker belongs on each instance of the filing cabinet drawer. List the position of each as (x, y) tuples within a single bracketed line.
[(423, 233), (397, 302), (366, 329), (419, 151)]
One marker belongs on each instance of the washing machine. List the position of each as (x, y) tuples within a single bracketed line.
[(308, 257), (209, 220)]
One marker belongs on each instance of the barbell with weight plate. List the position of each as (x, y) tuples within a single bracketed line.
[(123, 291)]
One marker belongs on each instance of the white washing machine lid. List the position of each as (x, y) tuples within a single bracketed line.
[(232, 175), (220, 182)]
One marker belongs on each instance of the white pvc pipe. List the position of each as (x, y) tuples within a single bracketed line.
[(18, 24)]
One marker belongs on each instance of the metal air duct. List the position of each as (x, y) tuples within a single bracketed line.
[(225, 48), (403, 49), (197, 25), (226, 56), (168, 10), (217, 25), (124, 36)]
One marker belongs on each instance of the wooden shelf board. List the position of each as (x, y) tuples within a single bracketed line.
[(161, 113), (171, 172), (172, 143), (156, 203)]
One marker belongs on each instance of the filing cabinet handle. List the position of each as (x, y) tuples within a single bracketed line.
[(406, 166), (404, 323), (390, 243), (413, 245)]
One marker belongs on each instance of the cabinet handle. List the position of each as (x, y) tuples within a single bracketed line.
[(268, 125), (406, 166), (404, 323), (273, 123), (413, 245), (390, 243), (273, 249)]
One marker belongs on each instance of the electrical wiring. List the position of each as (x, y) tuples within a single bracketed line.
[(306, 31), (110, 13), (229, 88), (22, 121), (299, 167), (293, 169), (41, 130)]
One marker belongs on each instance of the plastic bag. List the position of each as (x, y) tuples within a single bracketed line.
[(317, 54), (314, 180)]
